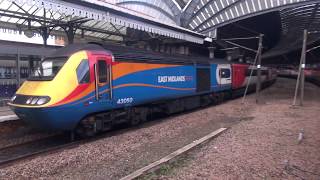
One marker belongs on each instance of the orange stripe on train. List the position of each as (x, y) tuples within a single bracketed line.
[(119, 70), (136, 85), (77, 94)]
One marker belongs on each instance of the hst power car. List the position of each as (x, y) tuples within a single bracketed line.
[(88, 87)]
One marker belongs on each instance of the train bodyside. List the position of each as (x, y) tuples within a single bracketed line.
[(119, 85), (245, 75), (91, 80)]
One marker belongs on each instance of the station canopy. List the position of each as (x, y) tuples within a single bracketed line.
[(86, 18), (293, 22)]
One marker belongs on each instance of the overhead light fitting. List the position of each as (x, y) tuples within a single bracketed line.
[(29, 33)]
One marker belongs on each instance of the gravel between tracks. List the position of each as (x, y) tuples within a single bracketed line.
[(266, 147), (256, 146)]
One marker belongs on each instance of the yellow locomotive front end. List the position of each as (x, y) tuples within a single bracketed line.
[(40, 99)]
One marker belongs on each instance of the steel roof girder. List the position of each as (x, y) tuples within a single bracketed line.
[(294, 3), (99, 15)]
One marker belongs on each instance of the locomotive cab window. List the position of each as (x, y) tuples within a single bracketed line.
[(102, 71), (47, 69), (225, 73), (83, 73)]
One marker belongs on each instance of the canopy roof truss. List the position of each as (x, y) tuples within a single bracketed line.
[(27, 16), (88, 18), (205, 16), (294, 21)]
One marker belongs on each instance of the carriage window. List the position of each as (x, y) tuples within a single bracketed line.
[(102, 71), (225, 73), (83, 73)]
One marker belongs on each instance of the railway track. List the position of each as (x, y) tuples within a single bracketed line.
[(23, 151), (315, 81), (28, 150), (14, 153), (13, 133)]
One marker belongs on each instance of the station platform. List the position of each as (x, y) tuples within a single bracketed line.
[(7, 115)]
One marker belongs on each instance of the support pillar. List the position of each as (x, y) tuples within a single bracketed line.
[(211, 52), (301, 77), (173, 49), (162, 48), (148, 47), (45, 35), (18, 78), (229, 55), (168, 49), (186, 50), (258, 86), (303, 65), (241, 59), (70, 33), (31, 65), (181, 50), (157, 49)]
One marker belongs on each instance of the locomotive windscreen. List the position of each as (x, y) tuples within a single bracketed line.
[(47, 69)]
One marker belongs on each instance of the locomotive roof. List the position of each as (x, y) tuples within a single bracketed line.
[(124, 53), (68, 50)]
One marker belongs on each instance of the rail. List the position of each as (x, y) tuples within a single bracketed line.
[(315, 81)]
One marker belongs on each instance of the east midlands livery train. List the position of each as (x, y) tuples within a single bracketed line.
[(89, 88)]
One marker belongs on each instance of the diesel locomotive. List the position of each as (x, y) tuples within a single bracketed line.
[(89, 87)]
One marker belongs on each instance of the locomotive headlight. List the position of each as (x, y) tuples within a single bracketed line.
[(34, 100), (13, 98), (37, 100), (42, 100), (29, 101)]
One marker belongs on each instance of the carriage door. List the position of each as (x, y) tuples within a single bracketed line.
[(224, 74), (102, 79)]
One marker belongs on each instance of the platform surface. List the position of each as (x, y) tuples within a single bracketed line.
[(6, 114)]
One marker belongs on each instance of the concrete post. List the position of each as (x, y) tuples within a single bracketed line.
[(258, 87), (301, 77), (303, 65)]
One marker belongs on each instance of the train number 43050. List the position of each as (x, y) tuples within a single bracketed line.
[(125, 100)]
